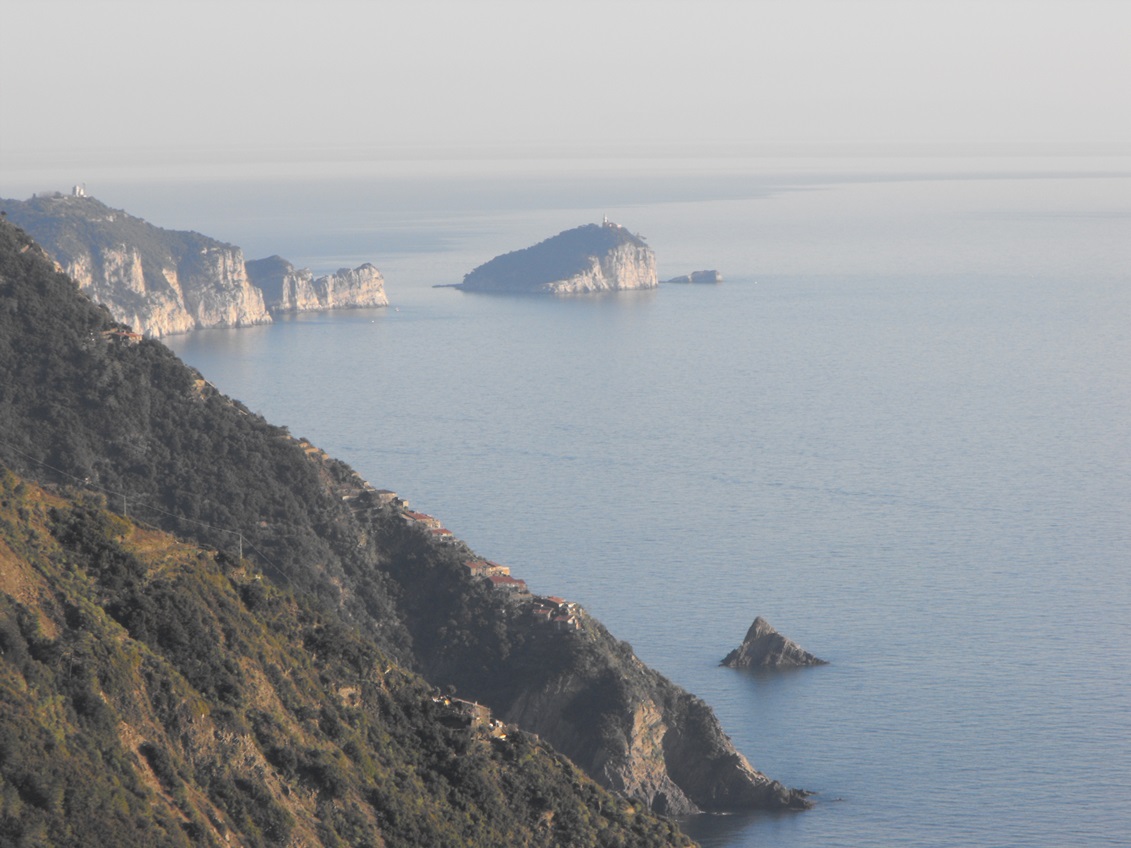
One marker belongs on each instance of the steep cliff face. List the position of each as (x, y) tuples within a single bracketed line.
[(157, 281), (216, 291), (351, 288), (626, 266), (289, 289), (577, 687), (632, 762), (586, 259), (654, 741), (114, 277), (162, 282), (285, 288)]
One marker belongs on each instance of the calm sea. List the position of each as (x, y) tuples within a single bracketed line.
[(899, 431)]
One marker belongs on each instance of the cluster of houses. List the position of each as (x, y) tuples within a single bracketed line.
[(557, 612), (547, 609), (430, 524), (499, 575)]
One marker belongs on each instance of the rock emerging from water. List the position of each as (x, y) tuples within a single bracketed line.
[(697, 277), (765, 648)]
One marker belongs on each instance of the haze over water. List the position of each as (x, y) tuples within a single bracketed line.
[(898, 431)]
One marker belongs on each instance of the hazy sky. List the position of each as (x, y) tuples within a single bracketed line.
[(241, 77)]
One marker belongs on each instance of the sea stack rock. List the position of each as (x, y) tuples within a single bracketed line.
[(765, 648), (591, 258), (697, 277)]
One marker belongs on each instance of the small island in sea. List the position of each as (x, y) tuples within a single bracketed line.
[(765, 648), (590, 258), (697, 277), (161, 282)]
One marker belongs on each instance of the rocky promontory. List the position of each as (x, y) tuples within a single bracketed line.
[(162, 282), (290, 289), (765, 648), (590, 258)]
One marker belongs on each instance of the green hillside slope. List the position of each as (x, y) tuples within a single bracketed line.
[(84, 405), (153, 693)]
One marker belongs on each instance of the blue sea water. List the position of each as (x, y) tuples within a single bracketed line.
[(899, 431)]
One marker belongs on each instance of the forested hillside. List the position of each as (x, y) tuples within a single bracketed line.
[(86, 405), (153, 693)]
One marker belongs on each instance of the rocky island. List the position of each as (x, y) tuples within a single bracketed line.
[(590, 258), (765, 648), (162, 282), (697, 277)]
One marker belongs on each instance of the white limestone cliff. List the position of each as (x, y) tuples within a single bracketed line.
[(216, 289), (162, 282), (627, 266), (290, 289), (588, 259), (352, 288)]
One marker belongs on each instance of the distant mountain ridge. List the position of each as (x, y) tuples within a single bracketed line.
[(162, 282), (587, 259)]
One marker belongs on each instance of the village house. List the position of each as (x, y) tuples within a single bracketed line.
[(421, 519), (485, 568), (559, 612), (565, 622), (554, 604), (368, 498), (508, 584), (443, 535)]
